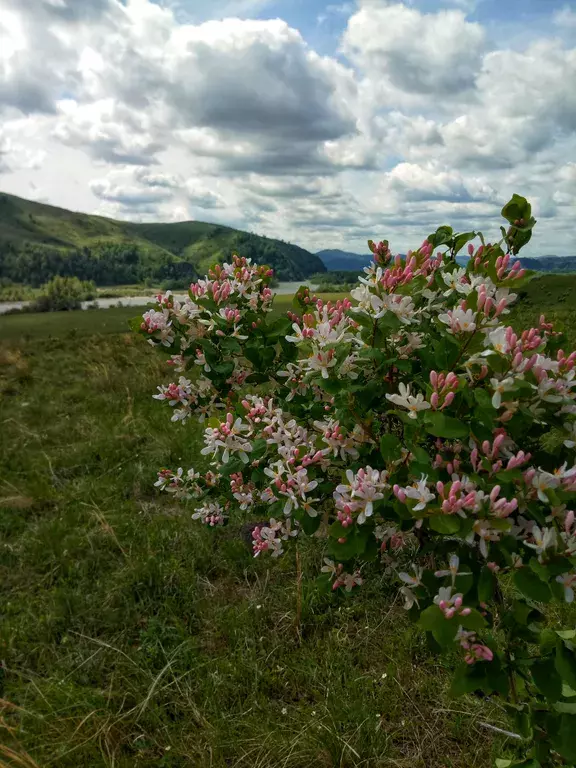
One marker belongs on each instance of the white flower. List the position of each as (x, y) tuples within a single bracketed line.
[(322, 361), (401, 306), (420, 492), (456, 281), (329, 567), (228, 435), (348, 367), (542, 481), (444, 596), (499, 388), (498, 340), (406, 400), (298, 337), (365, 487), (409, 598), (543, 539), (415, 580), (459, 320), (568, 581), (453, 565), (570, 441)]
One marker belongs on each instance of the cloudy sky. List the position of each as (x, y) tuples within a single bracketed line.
[(321, 123)]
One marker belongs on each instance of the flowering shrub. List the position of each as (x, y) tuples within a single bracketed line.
[(408, 425)]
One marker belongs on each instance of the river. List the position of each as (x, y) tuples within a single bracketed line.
[(282, 289)]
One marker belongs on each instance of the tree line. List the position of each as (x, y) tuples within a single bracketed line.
[(103, 264)]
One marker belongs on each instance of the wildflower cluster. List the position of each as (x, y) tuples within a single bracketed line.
[(410, 424)]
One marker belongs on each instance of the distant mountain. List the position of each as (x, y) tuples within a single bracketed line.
[(335, 259), (550, 263), (40, 241)]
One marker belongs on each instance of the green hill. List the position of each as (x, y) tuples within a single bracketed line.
[(554, 291), (38, 241)]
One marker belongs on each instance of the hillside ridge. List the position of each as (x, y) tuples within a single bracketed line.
[(38, 241)]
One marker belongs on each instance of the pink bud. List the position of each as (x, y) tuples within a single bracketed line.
[(448, 399)]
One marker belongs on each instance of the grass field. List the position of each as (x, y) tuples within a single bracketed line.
[(28, 326), (131, 637)]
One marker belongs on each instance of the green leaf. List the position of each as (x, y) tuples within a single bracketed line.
[(474, 621), (134, 323), (442, 236), (531, 586), (567, 734), (486, 584), (338, 531), (225, 369), (440, 425), (547, 679), (522, 724), (468, 678), (547, 640), (267, 354), (390, 447), (526, 614), (496, 678), (390, 321), (483, 399), (461, 240), (310, 524), (258, 449), (566, 664), (253, 355), (517, 208), (230, 344), (446, 524), (355, 543), (444, 630), (421, 455)]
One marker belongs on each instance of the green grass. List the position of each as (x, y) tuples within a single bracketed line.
[(130, 636), (66, 324), (28, 326)]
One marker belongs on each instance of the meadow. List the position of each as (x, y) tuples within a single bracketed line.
[(130, 636)]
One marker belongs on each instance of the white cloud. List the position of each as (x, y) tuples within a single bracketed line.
[(109, 131), (565, 17), (128, 196), (200, 195), (16, 156), (170, 111), (407, 53)]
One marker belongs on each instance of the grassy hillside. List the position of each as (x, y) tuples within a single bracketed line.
[(38, 241)]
